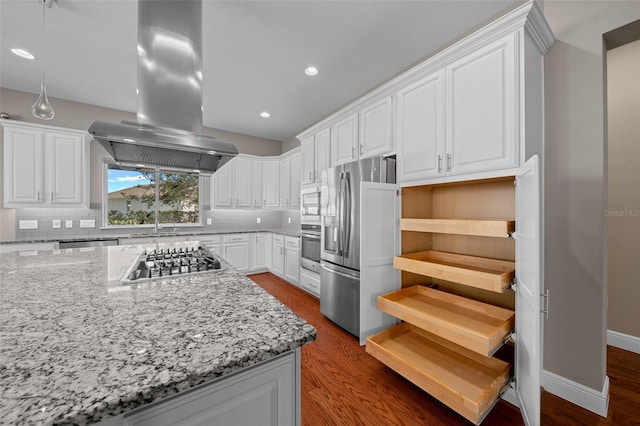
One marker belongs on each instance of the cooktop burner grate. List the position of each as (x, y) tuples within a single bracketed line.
[(167, 263)]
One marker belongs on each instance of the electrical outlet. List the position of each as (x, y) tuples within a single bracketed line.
[(55, 223), (289, 220), (258, 220), (87, 223), (28, 224), (208, 221), (69, 224)]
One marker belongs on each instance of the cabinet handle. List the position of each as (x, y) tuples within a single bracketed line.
[(38, 195), (353, 152), (52, 196), (361, 149), (439, 163), (448, 162)]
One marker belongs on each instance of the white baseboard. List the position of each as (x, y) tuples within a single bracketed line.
[(581, 395), (623, 341)]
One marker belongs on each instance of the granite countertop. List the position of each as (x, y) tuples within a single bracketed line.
[(76, 346), (181, 233)]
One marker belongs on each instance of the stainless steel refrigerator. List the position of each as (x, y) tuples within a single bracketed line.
[(340, 235)]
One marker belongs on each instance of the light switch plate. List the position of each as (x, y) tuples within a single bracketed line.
[(87, 223), (55, 223), (208, 221), (28, 224), (69, 224), (258, 220), (289, 220)]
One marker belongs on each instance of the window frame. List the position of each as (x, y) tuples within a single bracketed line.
[(106, 162)]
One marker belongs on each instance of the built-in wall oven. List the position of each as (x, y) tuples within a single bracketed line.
[(310, 250)]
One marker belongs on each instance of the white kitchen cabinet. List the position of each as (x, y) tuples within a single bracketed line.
[(256, 185), (294, 180), (271, 183), (285, 182), (236, 251), (260, 252), (264, 394), (44, 166), (292, 259), (277, 262), (213, 243), (375, 129), (234, 183), (316, 156), (420, 128), (344, 140), (27, 249), (310, 281), (481, 109)]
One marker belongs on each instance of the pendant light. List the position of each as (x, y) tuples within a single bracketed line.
[(42, 108)]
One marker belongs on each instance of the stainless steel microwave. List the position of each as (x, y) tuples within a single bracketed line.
[(310, 205)]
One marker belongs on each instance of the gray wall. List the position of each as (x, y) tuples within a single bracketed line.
[(623, 218), (289, 144), (575, 186), (77, 115)]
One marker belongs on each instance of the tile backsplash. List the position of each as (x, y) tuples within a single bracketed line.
[(220, 220)]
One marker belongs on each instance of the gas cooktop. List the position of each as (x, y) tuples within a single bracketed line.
[(168, 263)]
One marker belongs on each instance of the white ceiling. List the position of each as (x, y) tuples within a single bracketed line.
[(254, 53)]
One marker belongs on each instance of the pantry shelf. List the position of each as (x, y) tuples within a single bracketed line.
[(479, 272), (485, 228), (474, 325), (465, 381)]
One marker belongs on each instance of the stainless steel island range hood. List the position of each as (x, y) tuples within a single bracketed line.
[(168, 129)]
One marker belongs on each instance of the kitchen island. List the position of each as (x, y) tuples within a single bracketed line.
[(78, 347)]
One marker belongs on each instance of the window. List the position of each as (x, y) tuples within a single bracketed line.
[(131, 196)]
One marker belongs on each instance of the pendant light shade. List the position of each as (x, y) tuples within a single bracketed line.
[(42, 109)]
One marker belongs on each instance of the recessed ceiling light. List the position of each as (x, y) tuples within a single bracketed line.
[(265, 114), (311, 71), (23, 53)]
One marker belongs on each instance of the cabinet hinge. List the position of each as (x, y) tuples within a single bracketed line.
[(398, 192), (513, 286), (515, 182)]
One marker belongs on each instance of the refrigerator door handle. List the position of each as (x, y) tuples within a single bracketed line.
[(333, 271), (340, 214), (346, 224)]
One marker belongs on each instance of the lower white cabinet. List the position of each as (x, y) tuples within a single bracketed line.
[(292, 259), (26, 249), (310, 281), (260, 245), (277, 262), (236, 251), (265, 394)]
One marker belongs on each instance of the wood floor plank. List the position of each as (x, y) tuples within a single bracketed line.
[(343, 385)]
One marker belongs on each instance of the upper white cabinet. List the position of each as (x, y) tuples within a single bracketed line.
[(344, 140), (461, 119), (257, 182), (290, 180), (420, 128), (271, 183), (239, 183), (375, 129), (45, 166), (316, 156), (481, 111)]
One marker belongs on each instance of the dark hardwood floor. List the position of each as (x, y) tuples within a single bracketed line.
[(343, 385)]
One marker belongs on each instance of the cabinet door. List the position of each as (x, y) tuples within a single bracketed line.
[(277, 263), (223, 185), (528, 354), (294, 181), (285, 182), (419, 130), (308, 159), (271, 187), (256, 179), (322, 153), (292, 264), (344, 141), (66, 154), (375, 129), (259, 257), (237, 254), (23, 166), (242, 183), (481, 130)]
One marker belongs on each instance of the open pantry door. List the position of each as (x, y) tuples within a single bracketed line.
[(528, 353)]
